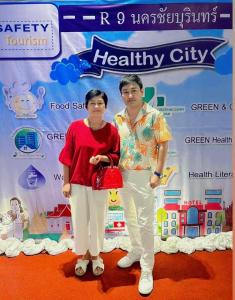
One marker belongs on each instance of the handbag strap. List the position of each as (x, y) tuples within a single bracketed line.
[(110, 160), (100, 166)]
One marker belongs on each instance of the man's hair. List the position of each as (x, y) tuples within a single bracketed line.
[(131, 78), (94, 93)]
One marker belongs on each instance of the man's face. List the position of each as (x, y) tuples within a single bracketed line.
[(132, 95)]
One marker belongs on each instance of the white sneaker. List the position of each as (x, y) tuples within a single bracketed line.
[(127, 261), (146, 282)]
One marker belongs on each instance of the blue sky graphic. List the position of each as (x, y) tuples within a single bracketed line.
[(223, 64)]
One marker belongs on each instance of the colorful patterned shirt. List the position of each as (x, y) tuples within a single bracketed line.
[(139, 142)]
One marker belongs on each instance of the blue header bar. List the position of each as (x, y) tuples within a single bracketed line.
[(142, 17)]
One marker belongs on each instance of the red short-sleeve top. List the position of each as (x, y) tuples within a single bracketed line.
[(82, 142)]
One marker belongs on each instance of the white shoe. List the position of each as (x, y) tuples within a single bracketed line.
[(81, 266), (127, 261), (146, 282), (97, 266)]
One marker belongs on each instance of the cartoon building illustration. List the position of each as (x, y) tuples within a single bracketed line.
[(215, 213), (192, 218), (59, 219)]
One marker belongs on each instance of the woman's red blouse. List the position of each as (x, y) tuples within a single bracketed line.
[(82, 142)]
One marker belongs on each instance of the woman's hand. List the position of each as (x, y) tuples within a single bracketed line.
[(66, 190), (94, 160)]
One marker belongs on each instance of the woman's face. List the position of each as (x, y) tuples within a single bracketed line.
[(15, 205), (96, 106)]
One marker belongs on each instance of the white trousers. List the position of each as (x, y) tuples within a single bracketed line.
[(138, 203), (88, 208)]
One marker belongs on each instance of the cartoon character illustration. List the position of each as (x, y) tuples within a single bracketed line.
[(115, 223), (23, 102), (18, 218), (114, 200)]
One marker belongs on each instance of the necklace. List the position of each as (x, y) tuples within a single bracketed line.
[(95, 126)]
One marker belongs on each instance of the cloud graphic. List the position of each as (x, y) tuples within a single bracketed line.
[(223, 64), (228, 36), (68, 69)]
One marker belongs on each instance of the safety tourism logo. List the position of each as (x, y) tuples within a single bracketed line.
[(29, 31)]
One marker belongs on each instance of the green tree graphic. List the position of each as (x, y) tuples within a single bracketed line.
[(161, 217), (220, 218)]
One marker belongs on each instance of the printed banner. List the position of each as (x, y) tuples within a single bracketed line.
[(105, 56), (52, 54)]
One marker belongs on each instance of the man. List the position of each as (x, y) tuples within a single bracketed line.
[(144, 142)]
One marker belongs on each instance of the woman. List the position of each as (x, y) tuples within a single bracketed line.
[(88, 142), (19, 220)]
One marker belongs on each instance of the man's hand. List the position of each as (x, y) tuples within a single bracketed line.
[(154, 181)]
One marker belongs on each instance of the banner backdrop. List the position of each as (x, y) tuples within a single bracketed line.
[(53, 53)]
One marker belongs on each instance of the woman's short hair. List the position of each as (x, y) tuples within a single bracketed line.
[(130, 78), (94, 93)]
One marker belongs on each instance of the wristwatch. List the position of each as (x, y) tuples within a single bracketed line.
[(158, 174)]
